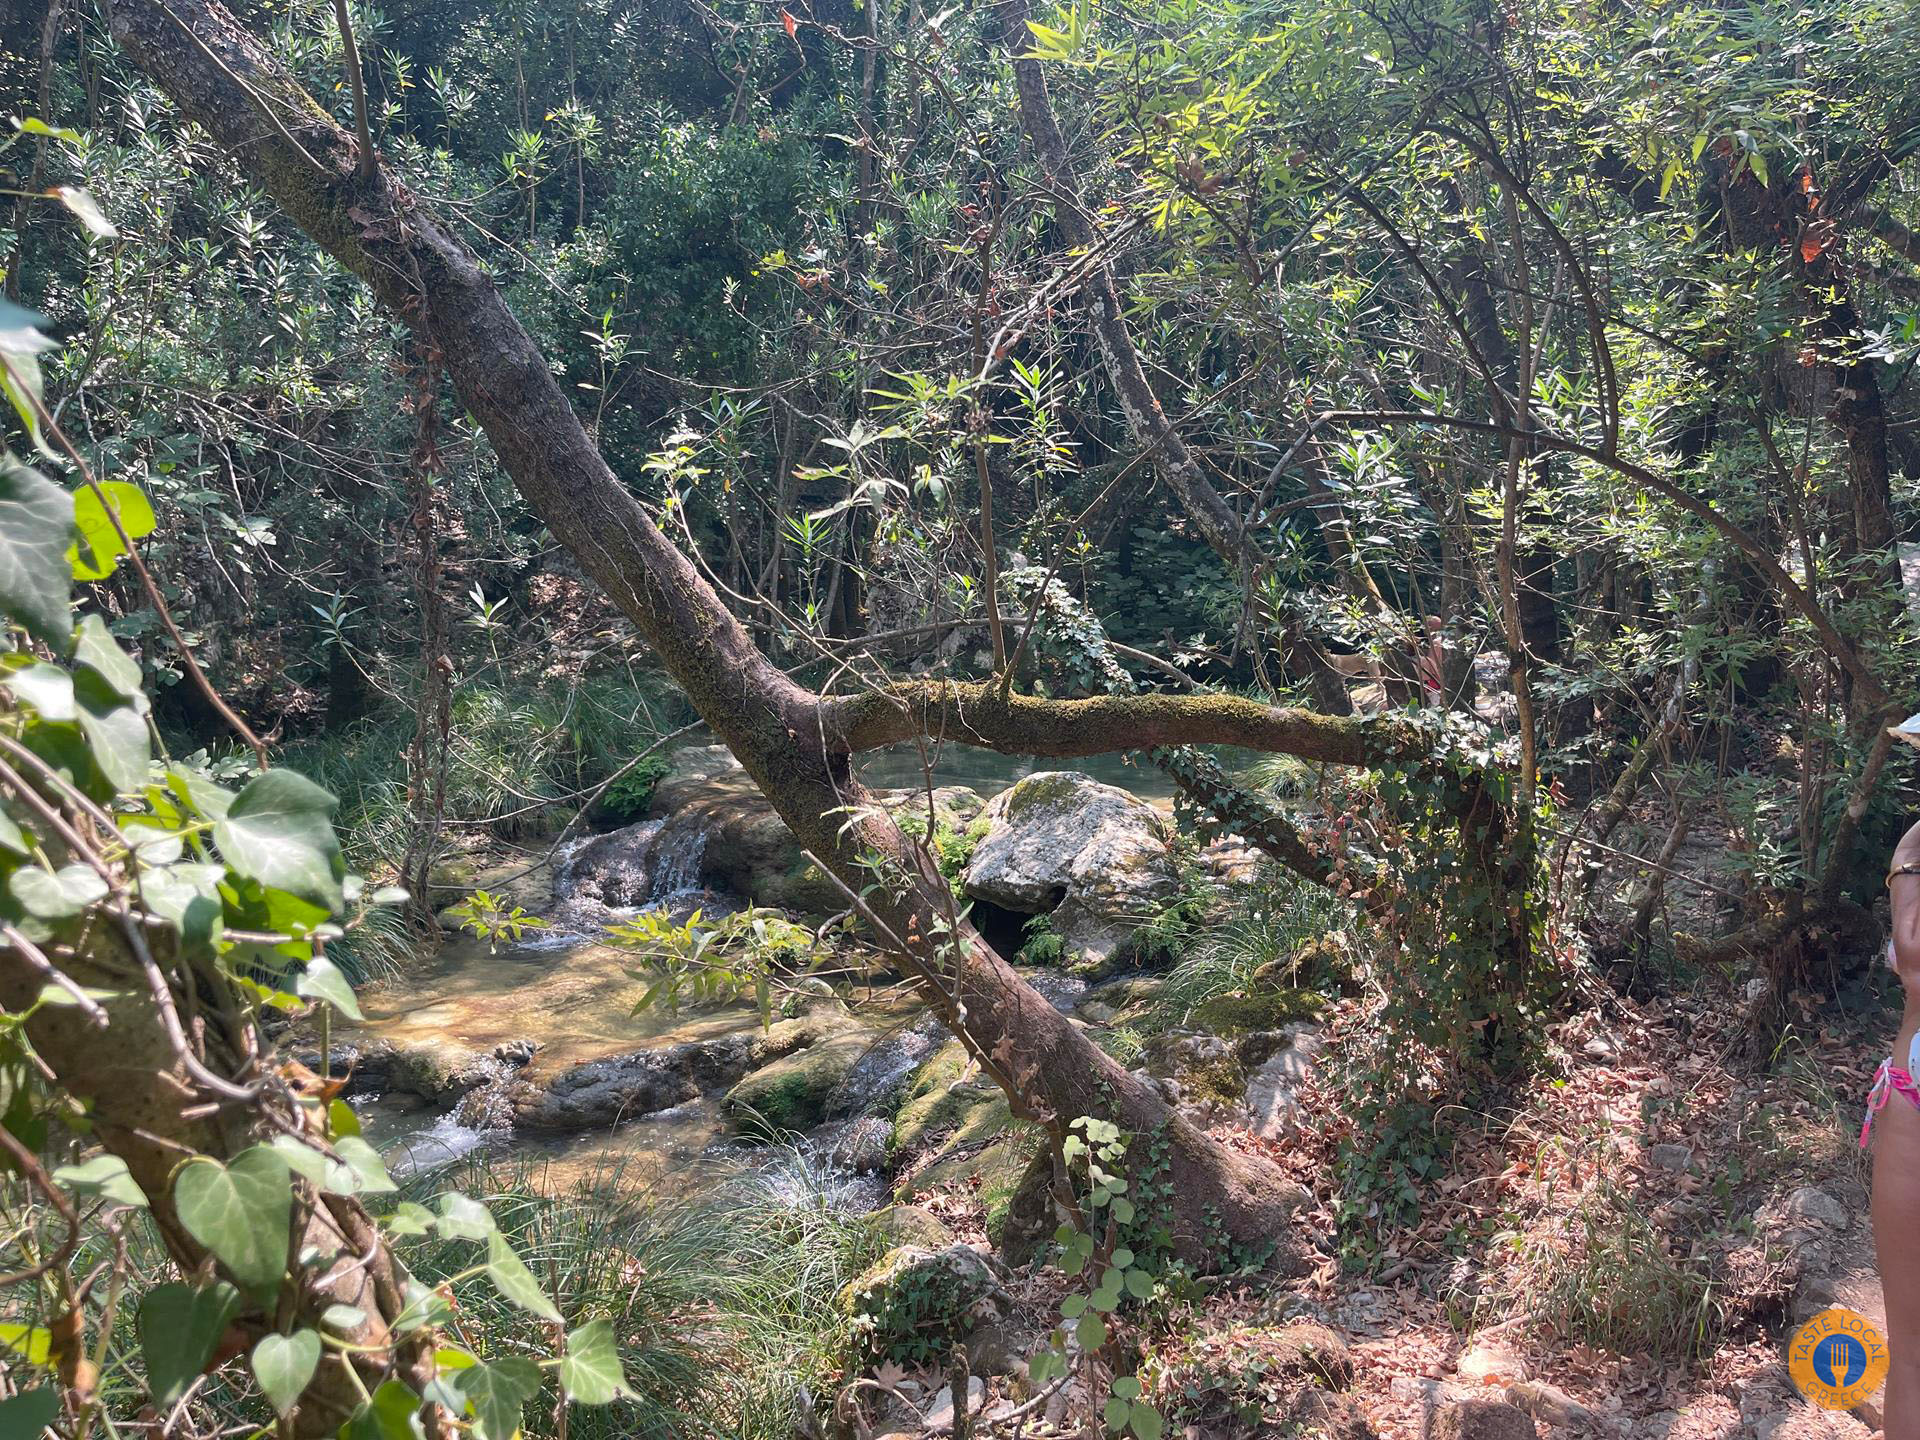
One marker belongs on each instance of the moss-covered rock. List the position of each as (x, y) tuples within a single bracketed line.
[(1244, 1012), (912, 1306), (898, 1225), (942, 1111), (796, 1091), (1256, 1382)]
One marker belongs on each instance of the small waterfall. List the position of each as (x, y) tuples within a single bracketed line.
[(674, 862)]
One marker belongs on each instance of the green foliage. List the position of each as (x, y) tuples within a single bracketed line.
[(628, 795), (1099, 1246), (494, 919), (1040, 943), (748, 954)]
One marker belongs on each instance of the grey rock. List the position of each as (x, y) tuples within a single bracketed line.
[(861, 1146), (939, 1414), (599, 1093), (1091, 855), (1810, 1202), (1549, 1404), (1273, 1090), (1480, 1420), (1676, 1158)]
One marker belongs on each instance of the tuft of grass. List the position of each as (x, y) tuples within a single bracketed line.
[(1263, 936), (722, 1304), (1608, 1279)]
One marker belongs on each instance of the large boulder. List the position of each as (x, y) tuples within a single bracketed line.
[(1090, 855), (709, 825), (1256, 1382), (797, 1091), (917, 1301)]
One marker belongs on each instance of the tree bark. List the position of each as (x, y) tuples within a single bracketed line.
[(224, 79)]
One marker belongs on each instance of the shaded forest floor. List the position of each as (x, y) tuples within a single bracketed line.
[(1621, 1246)]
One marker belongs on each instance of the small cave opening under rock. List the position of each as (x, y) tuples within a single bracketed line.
[(1004, 929)]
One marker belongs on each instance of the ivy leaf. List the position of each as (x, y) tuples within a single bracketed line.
[(322, 980), (463, 1218), (58, 895), (98, 550), (283, 1364), (29, 1342), (187, 894), (514, 1281), (279, 831), (36, 525), (392, 1414), (95, 649), (29, 1412), (409, 1219), (369, 1170), (179, 1327), (12, 837), (116, 734), (105, 1176), (590, 1371), (498, 1392), (241, 1212), (47, 688)]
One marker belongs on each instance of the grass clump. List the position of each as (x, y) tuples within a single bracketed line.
[(1608, 1278)]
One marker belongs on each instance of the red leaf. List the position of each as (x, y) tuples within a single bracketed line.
[(1810, 247), (793, 26)]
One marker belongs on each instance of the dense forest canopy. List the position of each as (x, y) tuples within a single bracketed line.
[(1464, 455)]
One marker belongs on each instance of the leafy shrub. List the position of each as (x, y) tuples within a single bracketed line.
[(629, 795)]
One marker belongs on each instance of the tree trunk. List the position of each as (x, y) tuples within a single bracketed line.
[(226, 81)]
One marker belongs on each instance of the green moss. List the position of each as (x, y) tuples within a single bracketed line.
[(1239, 1013), (1050, 787), (793, 1092), (935, 1109)]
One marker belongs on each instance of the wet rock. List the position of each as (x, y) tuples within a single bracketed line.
[(1254, 1382), (1675, 1158), (711, 826), (441, 1071), (918, 1296), (1480, 1420), (861, 1146), (949, 1102), (1091, 855), (598, 1093), (796, 1091), (1273, 1090)]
